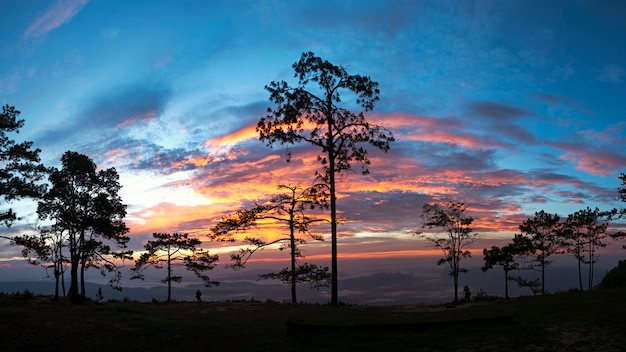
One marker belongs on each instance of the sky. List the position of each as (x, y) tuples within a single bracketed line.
[(509, 106)]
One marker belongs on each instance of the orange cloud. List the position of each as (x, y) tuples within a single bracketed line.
[(245, 133), (168, 217)]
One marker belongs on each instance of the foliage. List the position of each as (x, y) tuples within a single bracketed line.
[(20, 170), (315, 275), (174, 250), (540, 239), (85, 206), (452, 218), (483, 296), (47, 247), (534, 285), (504, 257), (622, 190), (289, 208), (309, 112), (615, 278), (620, 235), (583, 233)]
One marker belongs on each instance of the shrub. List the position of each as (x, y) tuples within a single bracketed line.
[(615, 278), (483, 296)]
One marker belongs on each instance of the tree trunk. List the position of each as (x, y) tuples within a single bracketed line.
[(74, 297), (591, 260), (455, 275), (63, 279), (294, 299), (169, 276), (506, 284), (82, 282), (57, 274), (334, 300), (580, 273), (83, 261), (543, 276)]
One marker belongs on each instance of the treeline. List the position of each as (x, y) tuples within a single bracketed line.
[(580, 235)]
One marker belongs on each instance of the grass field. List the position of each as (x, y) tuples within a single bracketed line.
[(570, 321)]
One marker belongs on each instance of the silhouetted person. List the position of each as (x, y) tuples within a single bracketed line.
[(468, 294), (198, 296)]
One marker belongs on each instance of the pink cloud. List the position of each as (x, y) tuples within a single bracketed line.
[(58, 14), (595, 151), (446, 130)]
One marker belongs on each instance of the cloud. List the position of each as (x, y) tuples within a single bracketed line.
[(612, 74), (61, 12), (381, 17), (125, 105), (595, 152), (497, 112), (501, 119), (110, 112), (445, 130)]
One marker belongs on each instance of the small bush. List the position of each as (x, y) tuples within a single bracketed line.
[(27, 294), (483, 296)]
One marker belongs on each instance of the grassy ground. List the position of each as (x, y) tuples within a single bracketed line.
[(572, 321)]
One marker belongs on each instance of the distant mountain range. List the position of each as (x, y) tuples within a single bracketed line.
[(382, 288), (375, 289)]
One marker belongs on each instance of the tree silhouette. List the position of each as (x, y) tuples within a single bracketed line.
[(620, 235), (504, 257), (622, 190), (20, 169), (583, 233), (452, 218), (542, 240), (309, 112), (47, 246), (85, 205), (287, 208), (175, 250)]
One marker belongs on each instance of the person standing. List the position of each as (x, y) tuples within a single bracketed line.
[(468, 294)]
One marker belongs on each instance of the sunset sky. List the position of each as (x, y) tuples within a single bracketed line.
[(510, 106)]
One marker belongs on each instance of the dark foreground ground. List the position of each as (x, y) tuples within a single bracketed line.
[(571, 321)]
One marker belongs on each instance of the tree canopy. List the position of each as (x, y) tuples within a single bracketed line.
[(310, 112), (453, 219), (504, 257), (20, 167), (541, 238), (289, 208), (177, 249), (84, 203)]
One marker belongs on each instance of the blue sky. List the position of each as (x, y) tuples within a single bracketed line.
[(511, 106)]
